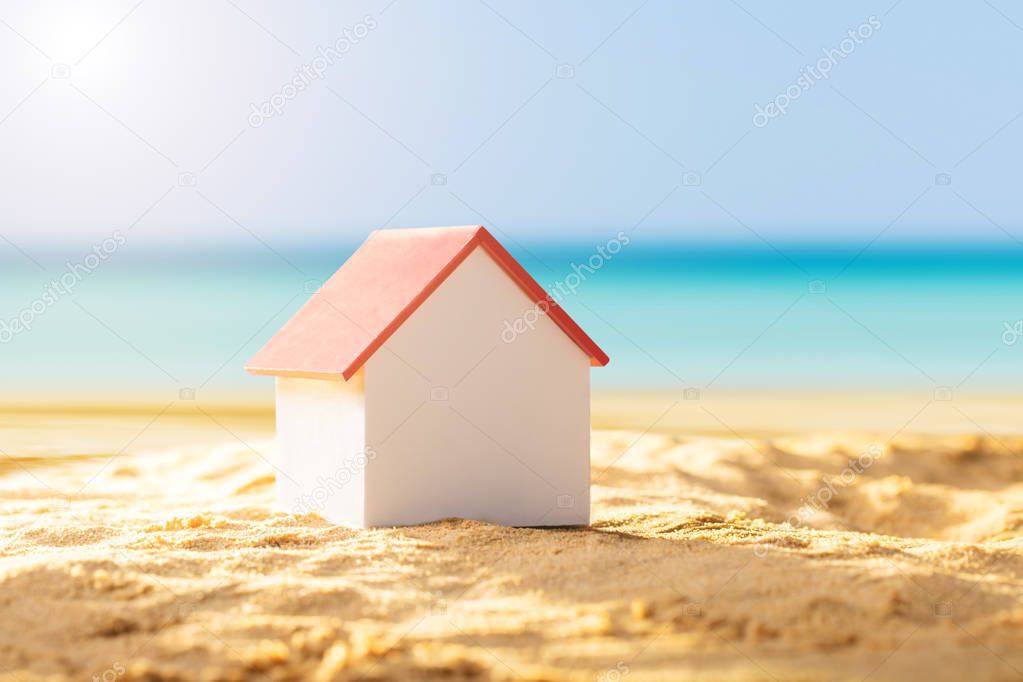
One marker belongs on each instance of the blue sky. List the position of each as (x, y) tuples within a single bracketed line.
[(650, 120)]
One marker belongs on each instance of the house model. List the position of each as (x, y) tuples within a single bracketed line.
[(432, 377)]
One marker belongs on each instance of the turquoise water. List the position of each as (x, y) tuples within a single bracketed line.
[(710, 316)]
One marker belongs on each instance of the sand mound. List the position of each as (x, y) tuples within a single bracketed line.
[(798, 558)]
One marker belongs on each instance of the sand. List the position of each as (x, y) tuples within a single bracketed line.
[(138, 549)]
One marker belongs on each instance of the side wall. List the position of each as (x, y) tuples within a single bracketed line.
[(320, 440), (468, 421)]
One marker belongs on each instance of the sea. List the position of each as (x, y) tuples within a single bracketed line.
[(671, 315)]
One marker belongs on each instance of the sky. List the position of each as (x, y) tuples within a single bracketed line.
[(549, 121)]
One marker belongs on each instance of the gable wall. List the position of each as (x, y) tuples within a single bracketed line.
[(466, 420)]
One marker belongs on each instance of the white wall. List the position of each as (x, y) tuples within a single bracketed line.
[(465, 424), (320, 436)]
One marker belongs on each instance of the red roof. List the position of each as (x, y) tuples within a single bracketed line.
[(376, 290)]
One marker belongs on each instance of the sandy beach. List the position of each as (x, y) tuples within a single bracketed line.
[(142, 548)]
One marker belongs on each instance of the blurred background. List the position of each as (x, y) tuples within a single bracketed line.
[(815, 198)]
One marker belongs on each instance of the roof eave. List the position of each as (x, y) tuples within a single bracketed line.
[(298, 373)]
